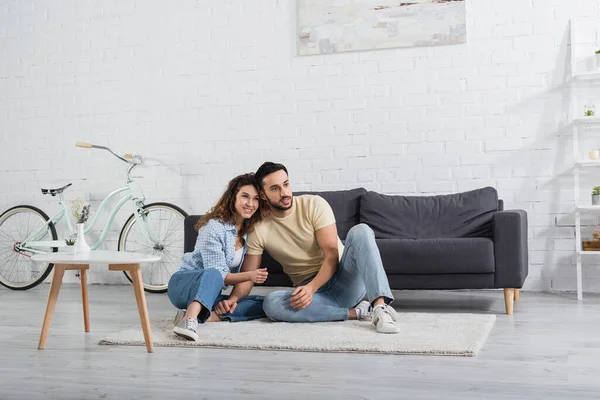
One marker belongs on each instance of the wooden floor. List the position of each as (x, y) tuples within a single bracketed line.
[(549, 349)]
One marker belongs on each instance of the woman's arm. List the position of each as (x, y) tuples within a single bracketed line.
[(210, 247), (242, 289), (256, 276)]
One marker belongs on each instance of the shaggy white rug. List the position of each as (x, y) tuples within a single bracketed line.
[(421, 333)]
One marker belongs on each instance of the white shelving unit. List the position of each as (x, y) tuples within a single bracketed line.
[(585, 79), (587, 76), (587, 120)]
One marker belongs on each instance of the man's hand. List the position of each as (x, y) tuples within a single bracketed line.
[(259, 275), (302, 296), (225, 306)]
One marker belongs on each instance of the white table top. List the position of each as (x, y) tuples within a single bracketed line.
[(96, 257)]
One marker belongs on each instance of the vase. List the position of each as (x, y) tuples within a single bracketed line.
[(70, 250), (81, 246), (595, 199), (598, 61)]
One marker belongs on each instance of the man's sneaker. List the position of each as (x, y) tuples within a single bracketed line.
[(385, 319), (364, 311), (178, 317), (187, 328)]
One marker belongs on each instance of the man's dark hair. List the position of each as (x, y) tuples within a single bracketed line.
[(267, 169)]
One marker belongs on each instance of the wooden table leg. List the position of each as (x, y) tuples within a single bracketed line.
[(57, 277), (140, 297), (138, 287), (84, 298)]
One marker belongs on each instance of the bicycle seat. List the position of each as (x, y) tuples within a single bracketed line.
[(54, 192)]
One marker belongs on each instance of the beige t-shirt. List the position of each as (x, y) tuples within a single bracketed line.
[(291, 240)]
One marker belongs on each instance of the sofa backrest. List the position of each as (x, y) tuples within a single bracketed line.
[(189, 232), (345, 205), (467, 214)]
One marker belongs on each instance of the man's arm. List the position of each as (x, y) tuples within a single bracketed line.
[(251, 263), (327, 239)]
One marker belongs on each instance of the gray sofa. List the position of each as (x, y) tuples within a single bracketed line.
[(458, 241)]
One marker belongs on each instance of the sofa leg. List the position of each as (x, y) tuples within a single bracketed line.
[(509, 297), (517, 291)]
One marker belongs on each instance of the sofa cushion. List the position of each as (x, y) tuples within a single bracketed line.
[(467, 214), (345, 205), (437, 256)]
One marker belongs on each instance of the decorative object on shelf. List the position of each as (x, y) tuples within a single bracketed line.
[(598, 59), (596, 196), (594, 244), (594, 155), (590, 245), (70, 249), (589, 111), (81, 211)]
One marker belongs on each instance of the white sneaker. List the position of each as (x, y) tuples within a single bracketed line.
[(364, 311), (385, 319), (187, 328)]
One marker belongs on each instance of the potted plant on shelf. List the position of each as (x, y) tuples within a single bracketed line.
[(589, 112), (70, 242), (596, 196)]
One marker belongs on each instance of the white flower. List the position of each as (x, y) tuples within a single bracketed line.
[(80, 210)]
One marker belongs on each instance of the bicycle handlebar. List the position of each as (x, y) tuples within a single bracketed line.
[(128, 157)]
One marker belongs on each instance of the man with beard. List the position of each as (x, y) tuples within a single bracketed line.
[(330, 278)]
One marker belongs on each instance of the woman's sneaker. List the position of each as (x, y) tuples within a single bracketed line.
[(187, 328), (385, 319)]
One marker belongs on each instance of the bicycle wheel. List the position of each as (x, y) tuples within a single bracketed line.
[(166, 223), (17, 270)]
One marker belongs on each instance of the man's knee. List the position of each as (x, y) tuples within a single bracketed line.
[(274, 306), (360, 231)]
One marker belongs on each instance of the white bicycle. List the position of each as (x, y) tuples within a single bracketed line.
[(155, 228)]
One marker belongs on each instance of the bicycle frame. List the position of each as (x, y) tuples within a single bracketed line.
[(132, 193)]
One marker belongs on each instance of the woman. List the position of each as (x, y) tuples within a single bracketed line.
[(216, 260)]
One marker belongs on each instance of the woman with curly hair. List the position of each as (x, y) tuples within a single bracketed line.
[(215, 263)]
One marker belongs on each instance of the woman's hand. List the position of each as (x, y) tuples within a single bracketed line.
[(225, 306), (258, 275)]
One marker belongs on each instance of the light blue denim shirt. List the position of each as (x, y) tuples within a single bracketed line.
[(215, 248)]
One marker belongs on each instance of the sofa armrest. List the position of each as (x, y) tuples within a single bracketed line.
[(511, 250)]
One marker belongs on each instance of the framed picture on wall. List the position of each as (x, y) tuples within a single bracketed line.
[(334, 26)]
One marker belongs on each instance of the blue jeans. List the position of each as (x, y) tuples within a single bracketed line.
[(359, 274), (204, 286)]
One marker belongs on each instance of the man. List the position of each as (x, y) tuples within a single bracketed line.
[(330, 279)]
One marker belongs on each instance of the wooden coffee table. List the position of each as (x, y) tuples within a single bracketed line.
[(117, 261)]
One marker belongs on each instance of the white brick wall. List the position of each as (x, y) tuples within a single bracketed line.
[(206, 90)]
